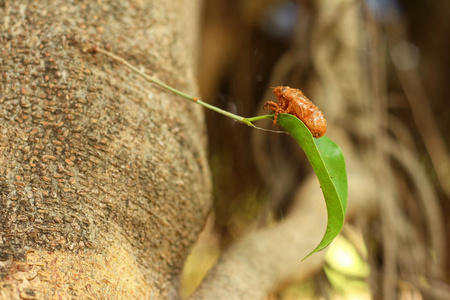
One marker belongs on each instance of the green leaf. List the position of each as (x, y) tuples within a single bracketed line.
[(328, 163)]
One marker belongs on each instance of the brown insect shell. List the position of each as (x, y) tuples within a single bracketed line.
[(293, 101)]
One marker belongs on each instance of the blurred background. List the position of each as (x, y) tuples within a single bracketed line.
[(379, 71)]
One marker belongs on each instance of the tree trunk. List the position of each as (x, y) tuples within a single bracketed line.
[(104, 181)]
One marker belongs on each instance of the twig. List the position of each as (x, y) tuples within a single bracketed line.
[(247, 121)]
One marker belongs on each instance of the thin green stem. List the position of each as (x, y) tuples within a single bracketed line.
[(257, 118), (179, 93)]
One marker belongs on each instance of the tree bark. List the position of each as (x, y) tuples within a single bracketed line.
[(104, 181)]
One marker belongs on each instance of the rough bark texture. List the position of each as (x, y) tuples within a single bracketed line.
[(104, 181)]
